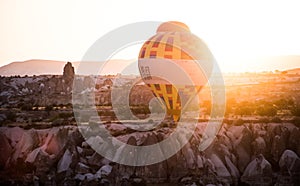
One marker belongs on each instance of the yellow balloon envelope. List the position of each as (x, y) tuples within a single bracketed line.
[(175, 65)]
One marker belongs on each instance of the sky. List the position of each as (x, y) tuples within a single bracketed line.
[(237, 32)]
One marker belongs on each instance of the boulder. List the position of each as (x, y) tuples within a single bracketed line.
[(95, 159), (65, 162), (95, 141), (259, 146), (293, 142), (105, 170), (82, 168), (243, 158), (5, 149), (117, 129), (33, 155), (232, 168), (151, 139), (56, 140), (290, 162), (131, 153), (257, 168), (221, 169), (14, 135), (242, 147), (25, 145), (278, 146), (87, 176), (189, 156), (41, 160)]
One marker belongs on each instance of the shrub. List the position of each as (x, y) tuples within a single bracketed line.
[(65, 115), (26, 107), (276, 120), (264, 120), (238, 122)]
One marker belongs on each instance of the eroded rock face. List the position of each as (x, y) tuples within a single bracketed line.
[(56, 141), (257, 171), (60, 155), (26, 144), (289, 162), (68, 73), (289, 168), (293, 142), (5, 149), (65, 162)]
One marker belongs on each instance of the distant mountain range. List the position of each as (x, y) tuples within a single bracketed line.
[(294, 71), (42, 67), (282, 63), (39, 67), (32, 67)]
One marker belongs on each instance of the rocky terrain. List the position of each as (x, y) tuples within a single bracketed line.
[(37, 90), (254, 154), (41, 144), (51, 90)]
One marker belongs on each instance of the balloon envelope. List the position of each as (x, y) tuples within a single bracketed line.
[(175, 64)]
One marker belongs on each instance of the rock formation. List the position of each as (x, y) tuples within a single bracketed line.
[(59, 155), (68, 73)]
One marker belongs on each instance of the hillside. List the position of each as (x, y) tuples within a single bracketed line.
[(40, 67)]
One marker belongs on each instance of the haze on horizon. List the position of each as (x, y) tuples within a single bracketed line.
[(243, 36)]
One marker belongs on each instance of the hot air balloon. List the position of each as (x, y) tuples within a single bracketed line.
[(175, 64)]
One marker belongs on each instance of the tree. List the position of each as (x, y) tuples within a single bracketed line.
[(276, 120), (238, 122)]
